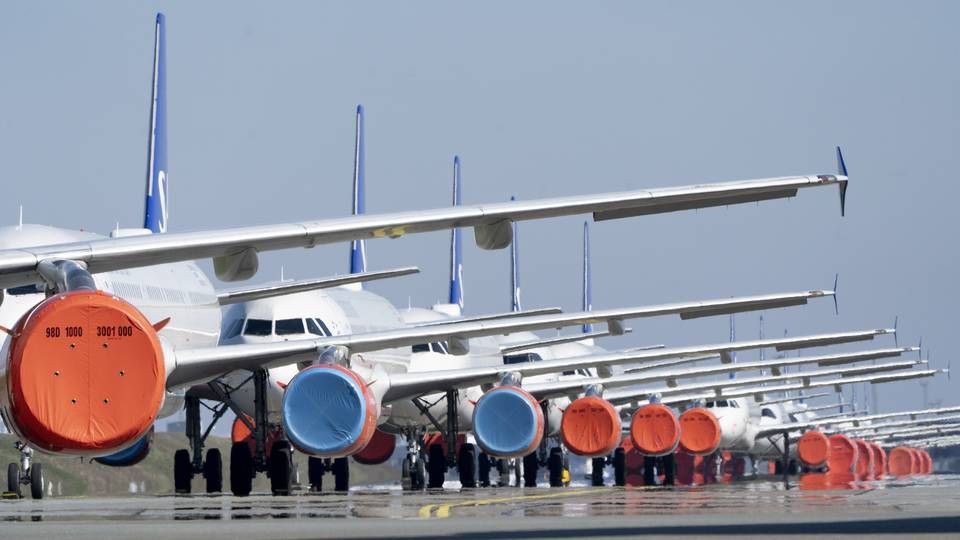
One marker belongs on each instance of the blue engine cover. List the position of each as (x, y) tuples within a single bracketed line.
[(131, 455), (507, 422), (325, 412)]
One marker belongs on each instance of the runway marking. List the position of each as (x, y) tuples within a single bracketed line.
[(443, 510)]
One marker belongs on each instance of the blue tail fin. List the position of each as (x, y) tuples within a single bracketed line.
[(587, 278), (456, 243), (733, 338), (358, 249), (156, 208), (515, 267)]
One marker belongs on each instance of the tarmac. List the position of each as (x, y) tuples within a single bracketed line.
[(907, 507)]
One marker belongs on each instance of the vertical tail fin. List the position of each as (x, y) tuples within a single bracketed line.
[(587, 277), (733, 338), (515, 267), (358, 248), (456, 243), (156, 208)]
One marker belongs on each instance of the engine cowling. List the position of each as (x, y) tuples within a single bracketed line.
[(900, 461), (84, 374), (879, 461), (864, 466), (654, 430), (813, 449), (700, 432), (328, 411), (131, 455), (843, 454), (378, 450), (508, 422), (591, 427)]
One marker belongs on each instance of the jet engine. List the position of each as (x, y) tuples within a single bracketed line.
[(813, 449), (864, 467), (590, 427), (508, 422), (378, 450), (843, 454), (654, 430), (329, 411), (131, 455), (700, 432), (901, 461), (83, 373)]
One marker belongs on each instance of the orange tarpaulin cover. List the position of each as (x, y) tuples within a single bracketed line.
[(699, 431), (813, 449), (590, 427), (654, 430), (843, 454)]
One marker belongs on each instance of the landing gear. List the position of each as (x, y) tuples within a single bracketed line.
[(315, 474), (280, 468), (185, 467), (213, 471), (669, 469), (503, 473), (620, 467), (341, 474), (241, 469), (466, 466), (555, 467), (25, 473), (530, 465), (182, 472), (596, 473), (437, 463), (483, 469), (649, 472), (414, 474)]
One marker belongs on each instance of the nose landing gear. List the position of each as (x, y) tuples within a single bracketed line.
[(25, 473)]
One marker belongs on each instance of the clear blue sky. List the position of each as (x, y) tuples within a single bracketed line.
[(539, 98)]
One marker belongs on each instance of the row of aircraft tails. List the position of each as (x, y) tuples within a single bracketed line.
[(103, 335)]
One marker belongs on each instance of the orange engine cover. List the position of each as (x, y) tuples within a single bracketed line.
[(813, 449), (590, 427), (699, 432), (85, 374), (654, 430), (843, 454)]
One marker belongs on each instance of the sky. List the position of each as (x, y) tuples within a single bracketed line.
[(539, 99)]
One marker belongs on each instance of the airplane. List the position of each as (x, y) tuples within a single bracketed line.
[(80, 306)]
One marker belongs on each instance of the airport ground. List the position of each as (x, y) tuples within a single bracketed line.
[(903, 507)]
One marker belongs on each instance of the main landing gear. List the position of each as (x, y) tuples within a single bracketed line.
[(428, 467), (25, 473), (186, 467), (339, 468)]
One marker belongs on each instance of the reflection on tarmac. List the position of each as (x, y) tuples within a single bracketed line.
[(816, 497)]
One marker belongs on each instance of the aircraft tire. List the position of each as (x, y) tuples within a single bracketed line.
[(213, 470), (437, 467), (281, 468), (649, 473), (13, 480), (669, 469), (483, 469), (466, 466), (555, 467), (419, 472), (596, 475), (620, 467), (530, 466), (241, 469), (341, 474), (315, 474), (36, 481), (182, 471)]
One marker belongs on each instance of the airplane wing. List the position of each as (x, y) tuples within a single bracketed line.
[(236, 296), (786, 399), (902, 423), (234, 251), (559, 340), (856, 422), (492, 316), (637, 376)]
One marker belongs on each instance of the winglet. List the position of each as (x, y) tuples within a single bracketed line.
[(456, 242), (358, 248), (515, 267), (896, 337), (587, 277), (155, 209), (842, 170), (836, 303)]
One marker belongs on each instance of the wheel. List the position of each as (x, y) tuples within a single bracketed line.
[(13, 480), (483, 469), (620, 467), (341, 474), (467, 466), (438, 467), (596, 475), (419, 474), (213, 470), (315, 474), (241, 469), (649, 471), (555, 467), (517, 472), (182, 471), (503, 473), (36, 480), (530, 465), (280, 466), (669, 470)]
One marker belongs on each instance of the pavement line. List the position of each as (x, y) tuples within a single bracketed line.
[(443, 510)]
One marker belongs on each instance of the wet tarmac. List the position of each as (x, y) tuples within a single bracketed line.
[(906, 506)]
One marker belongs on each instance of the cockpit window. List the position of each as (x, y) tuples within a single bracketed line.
[(325, 328), (234, 329), (521, 358), (421, 347), (25, 289), (717, 404), (314, 328), (439, 347), (258, 327), (767, 413), (287, 327)]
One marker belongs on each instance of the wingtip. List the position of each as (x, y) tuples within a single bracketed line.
[(160, 17), (359, 109)]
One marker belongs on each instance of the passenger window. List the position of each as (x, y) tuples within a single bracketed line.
[(234, 329), (313, 328), (258, 327), (289, 327)]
